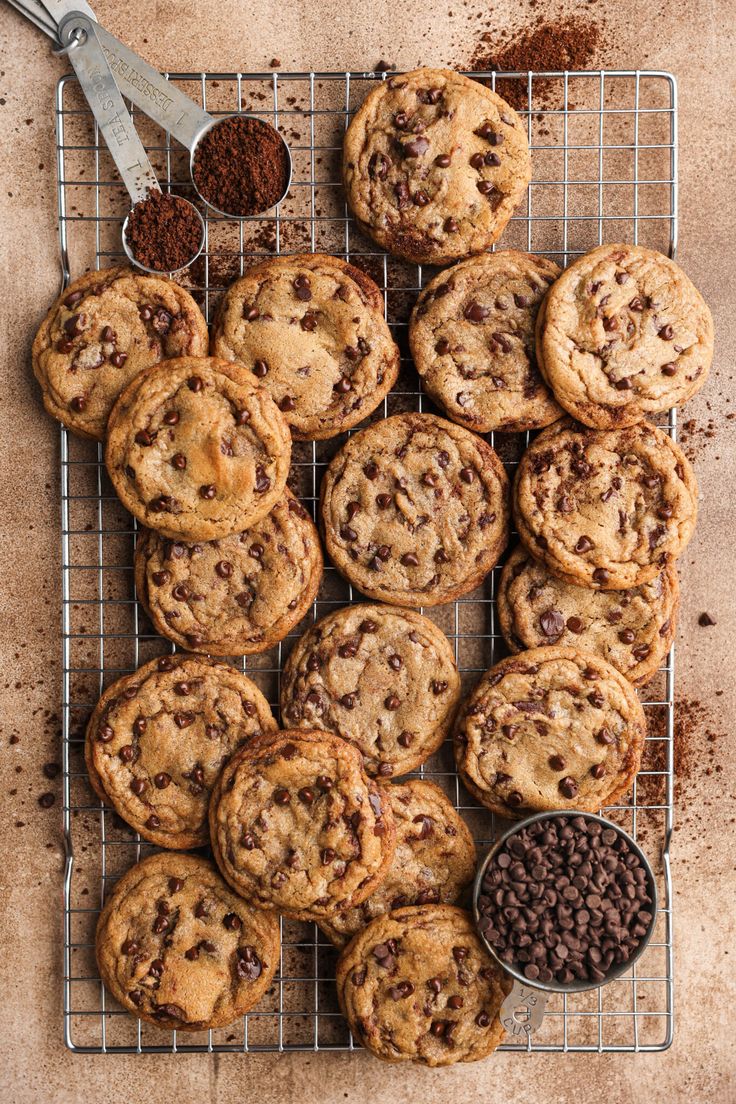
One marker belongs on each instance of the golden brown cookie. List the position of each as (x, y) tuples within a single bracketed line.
[(158, 738), (433, 864), (550, 728), (101, 332), (434, 165), (623, 333), (176, 947), (415, 510), (237, 595), (312, 331), (605, 508), (472, 339), (381, 677), (417, 985), (631, 629), (196, 450), (297, 825)]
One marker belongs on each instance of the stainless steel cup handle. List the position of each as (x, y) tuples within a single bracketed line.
[(523, 1010), (78, 36)]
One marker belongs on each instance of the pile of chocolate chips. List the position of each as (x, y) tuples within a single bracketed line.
[(164, 232), (241, 166), (565, 899)]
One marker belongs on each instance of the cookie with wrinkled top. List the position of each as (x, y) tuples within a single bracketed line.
[(472, 339), (157, 740), (415, 510), (417, 985), (176, 947), (550, 728), (631, 629), (296, 825), (237, 595), (312, 331), (434, 165), (608, 509), (195, 450), (433, 864), (101, 332), (383, 678), (622, 334)]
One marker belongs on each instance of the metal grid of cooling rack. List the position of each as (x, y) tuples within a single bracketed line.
[(604, 149)]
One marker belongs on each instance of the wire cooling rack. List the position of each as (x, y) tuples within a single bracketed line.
[(604, 149)]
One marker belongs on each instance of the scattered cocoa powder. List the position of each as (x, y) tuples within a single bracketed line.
[(164, 232), (241, 166), (552, 45)]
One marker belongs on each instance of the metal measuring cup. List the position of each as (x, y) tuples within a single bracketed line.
[(144, 86), (522, 1011)]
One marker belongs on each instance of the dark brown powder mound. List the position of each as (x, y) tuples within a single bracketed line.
[(164, 232), (568, 43), (241, 166)]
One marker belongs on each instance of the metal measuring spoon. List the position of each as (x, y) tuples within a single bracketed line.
[(522, 1011), (144, 86), (78, 34)]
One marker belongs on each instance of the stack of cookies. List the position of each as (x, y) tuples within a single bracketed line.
[(306, 821)]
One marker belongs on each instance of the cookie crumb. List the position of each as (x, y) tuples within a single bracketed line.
[(705, 620)]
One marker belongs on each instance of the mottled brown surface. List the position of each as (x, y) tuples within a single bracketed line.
[(697, 44)]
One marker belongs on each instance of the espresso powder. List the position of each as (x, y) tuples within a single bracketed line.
[(241, 166), (164, 232)]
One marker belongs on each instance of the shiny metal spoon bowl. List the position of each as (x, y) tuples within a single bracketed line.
[(211, 125)]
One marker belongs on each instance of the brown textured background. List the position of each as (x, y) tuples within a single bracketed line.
[(696, 42)]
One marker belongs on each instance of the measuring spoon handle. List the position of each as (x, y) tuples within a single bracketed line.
[(108, 107), (158, 98)]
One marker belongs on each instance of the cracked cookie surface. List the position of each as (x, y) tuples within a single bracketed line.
[(101, 332), (176, 947), (631, 629), (385, 679), (415, 510), (311, 330), (297, 825), (237, 595), (418, 985), (434, 165), (550, 728), (472, 339), (623, 333), (433, 864), (605, 508), (196, 450), (158, 739)]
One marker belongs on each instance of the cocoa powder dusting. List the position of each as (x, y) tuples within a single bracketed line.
[(553, 45), (241, 166)]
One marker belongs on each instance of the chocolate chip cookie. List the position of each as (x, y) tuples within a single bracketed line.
[(631, 629), (197, 451), (417, 985), (297, 825), (234, 596), (311, 330), (414, 510), (551, 728), (176, 947), (434, 861), (623, 333), (607, 509), (158, 739), (101, 332), (472, 339), (383, 678), (434, 165)]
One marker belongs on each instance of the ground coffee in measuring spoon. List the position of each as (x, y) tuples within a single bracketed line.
[(242, 166), (164, 232)]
